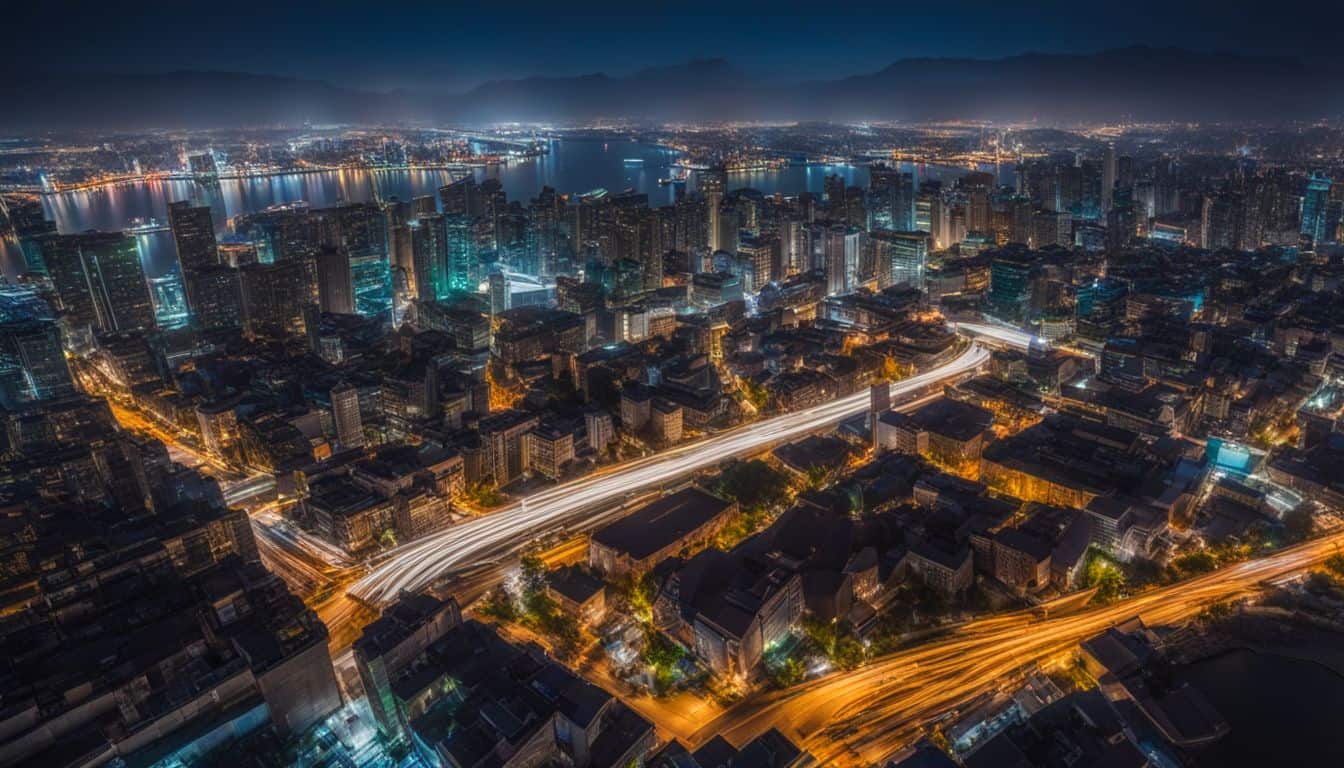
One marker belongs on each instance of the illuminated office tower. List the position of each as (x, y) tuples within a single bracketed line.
[(1109, 170), (856, 210), (833, 187), (1020, 212), (429, 249), (924, 212), (463, 257), (99, 281), (795, 247), (281, 233), (335, 285), (940, 222), (274, 297), (1010, 282), (361, 230), (32, 362), (219, 302), (398, 214), (842, 259), (729, 229), (979, 212), (193, 234), (461, 197), (345, 413), (761, 256), (712, 184), (1315, 207), (691, 225), (170, 301), (901, 257), (903, 203)]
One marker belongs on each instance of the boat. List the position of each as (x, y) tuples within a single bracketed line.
[(634, 161)]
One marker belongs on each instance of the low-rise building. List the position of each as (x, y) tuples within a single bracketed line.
[(656, 531)]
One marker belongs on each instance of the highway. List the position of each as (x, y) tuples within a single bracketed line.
[(864, 716), (581, 504)]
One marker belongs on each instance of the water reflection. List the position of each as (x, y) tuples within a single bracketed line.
[(572, 165)]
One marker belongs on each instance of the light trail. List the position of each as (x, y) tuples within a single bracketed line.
[(864, 716), (579, 504)]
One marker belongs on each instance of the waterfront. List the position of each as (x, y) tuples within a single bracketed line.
[(1290, 720), (571, 166)]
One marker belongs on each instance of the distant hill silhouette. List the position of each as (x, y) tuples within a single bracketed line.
[(1136, 83)]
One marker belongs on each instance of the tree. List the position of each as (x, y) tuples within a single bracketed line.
[(534, 574), (895, 370), (753, 484), (662, 656), (816, 477), (1108, 580), (498, 606), (1195, 563), (1334, 565), (1297, 525), (786, 672)]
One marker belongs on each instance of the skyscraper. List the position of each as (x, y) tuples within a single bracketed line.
[(361, 230), (712, 184), (429, 250), (99, 281), (335, 287), (345, 413), (901, 257), (1314, 208), (274, 296), (32, 363), (461, 197), (1109, 169), (842, 259), (219, 301), (194, 235)]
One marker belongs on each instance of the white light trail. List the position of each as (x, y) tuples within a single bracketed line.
[(577, 504)]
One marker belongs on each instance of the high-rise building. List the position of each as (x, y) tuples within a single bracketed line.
[(901, 257), (99, 281), (194, 235), (335, 286), (1315, 205), (345, 414), (32, 362), (461, 197), (842, 259), (1010, 282), (219, 300), (1109, 170), (274, 296), (429, 255), (360, 229), (464, 264), (762, 258), (170, 301), (713, 184), (903, 203)]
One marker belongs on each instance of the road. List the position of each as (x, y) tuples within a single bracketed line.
[(577, 505), (864, 716)]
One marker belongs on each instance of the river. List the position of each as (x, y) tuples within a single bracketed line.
[(1281, 710), (572, 166)]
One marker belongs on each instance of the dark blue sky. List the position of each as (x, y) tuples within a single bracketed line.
[(456, 44)]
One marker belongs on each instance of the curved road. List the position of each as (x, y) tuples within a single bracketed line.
[(578, 504), (864, 716)]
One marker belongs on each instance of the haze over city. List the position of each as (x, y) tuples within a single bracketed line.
[(682, 386)]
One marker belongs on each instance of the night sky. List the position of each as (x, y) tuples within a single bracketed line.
[(455, 45)]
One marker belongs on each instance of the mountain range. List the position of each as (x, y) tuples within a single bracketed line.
[(1139, 83)]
